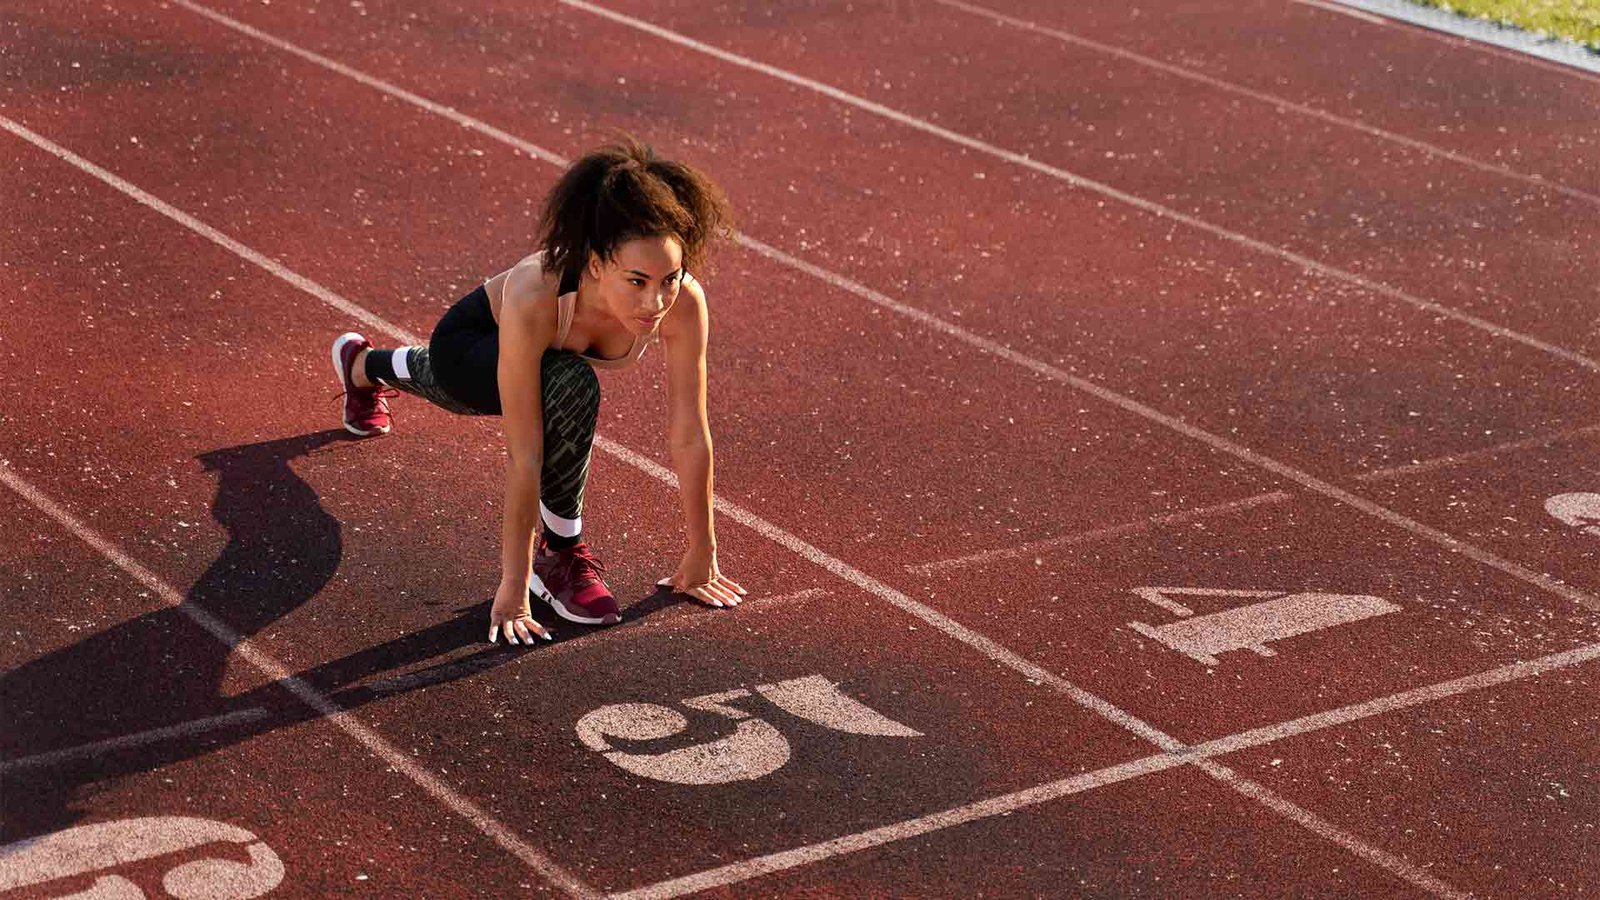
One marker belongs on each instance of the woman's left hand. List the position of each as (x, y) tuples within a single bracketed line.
[(699, 577)]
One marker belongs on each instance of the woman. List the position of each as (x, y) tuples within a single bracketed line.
[(618, 234)]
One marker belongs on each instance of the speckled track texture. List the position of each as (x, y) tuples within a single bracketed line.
[(1160, 440)]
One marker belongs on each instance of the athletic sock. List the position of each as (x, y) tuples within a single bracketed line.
[(388, 366), (555, 525), (561, 542)]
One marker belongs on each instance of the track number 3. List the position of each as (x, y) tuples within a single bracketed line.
[(754, 749)]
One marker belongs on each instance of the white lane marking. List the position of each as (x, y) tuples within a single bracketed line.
[(994, 806), (1277, 102), (165, 733), (899, 831), (1255, 626), (267, 665), (1584, 64), (1366, 709), (1033, 548), (1457, 459), (1344, 11), (386, 87), (1038, 366), (1326, 830), (1259, 460), (1080, 181), (1579, 510), (87, 849), (1023, 551)]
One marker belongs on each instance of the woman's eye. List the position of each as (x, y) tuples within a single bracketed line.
[(636, 282)]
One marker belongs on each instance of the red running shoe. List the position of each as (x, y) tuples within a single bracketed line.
[(366, 410), (573, 585)]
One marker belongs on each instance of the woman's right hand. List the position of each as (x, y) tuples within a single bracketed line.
[(511, 615)]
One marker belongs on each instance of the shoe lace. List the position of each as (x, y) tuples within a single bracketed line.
[(380, 396), (583, 567)]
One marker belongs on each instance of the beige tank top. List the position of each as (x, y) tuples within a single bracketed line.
[(565, 303)]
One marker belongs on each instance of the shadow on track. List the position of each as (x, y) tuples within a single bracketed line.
[(164, 669)]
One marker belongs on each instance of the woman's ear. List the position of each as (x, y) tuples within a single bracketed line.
[(596, 265)]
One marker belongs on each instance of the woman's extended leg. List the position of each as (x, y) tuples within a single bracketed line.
[(365, 373)]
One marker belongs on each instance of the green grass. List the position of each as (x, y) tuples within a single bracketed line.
[(1575, 20)]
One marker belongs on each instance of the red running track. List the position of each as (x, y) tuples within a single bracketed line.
[(176, 405)]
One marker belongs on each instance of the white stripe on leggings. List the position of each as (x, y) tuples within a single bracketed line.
[(563, 527), (401, 362)]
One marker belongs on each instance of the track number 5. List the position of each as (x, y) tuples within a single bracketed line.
[(754, 749)]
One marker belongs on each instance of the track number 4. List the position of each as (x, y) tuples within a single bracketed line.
[(754, 749)]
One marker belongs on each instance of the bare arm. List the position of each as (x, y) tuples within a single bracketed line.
[(685, 332), (527, 329)]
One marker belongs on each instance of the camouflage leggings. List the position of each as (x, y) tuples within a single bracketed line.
[(571, 405)]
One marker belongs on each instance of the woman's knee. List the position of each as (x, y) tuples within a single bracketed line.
[(569, 385)]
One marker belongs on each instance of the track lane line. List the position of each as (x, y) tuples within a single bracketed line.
[(94, 749), (1282, 104), (1022, 551), (1027, 162), (1343, 10), (269, 666), (1395, 864), (1456, 459), (1199, 755)]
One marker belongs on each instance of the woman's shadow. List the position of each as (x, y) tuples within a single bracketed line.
[(165, 669)]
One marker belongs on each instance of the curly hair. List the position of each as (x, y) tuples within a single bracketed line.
[(624, 191)]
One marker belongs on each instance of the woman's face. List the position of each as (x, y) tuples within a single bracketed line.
[(640, 282)]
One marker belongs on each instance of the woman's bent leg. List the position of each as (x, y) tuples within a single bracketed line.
[(571, 401), (566, 568)]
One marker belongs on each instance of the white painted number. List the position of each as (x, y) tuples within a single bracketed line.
[(77, 853), (1581, 511), (754, 749), (1251, 627)]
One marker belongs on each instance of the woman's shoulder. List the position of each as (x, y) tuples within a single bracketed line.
[(528, 281), (527, 291)]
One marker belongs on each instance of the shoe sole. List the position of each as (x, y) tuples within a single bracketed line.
[(338, 373), (537, 588)]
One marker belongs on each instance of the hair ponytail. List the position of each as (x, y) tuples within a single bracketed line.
[(625, 191)]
